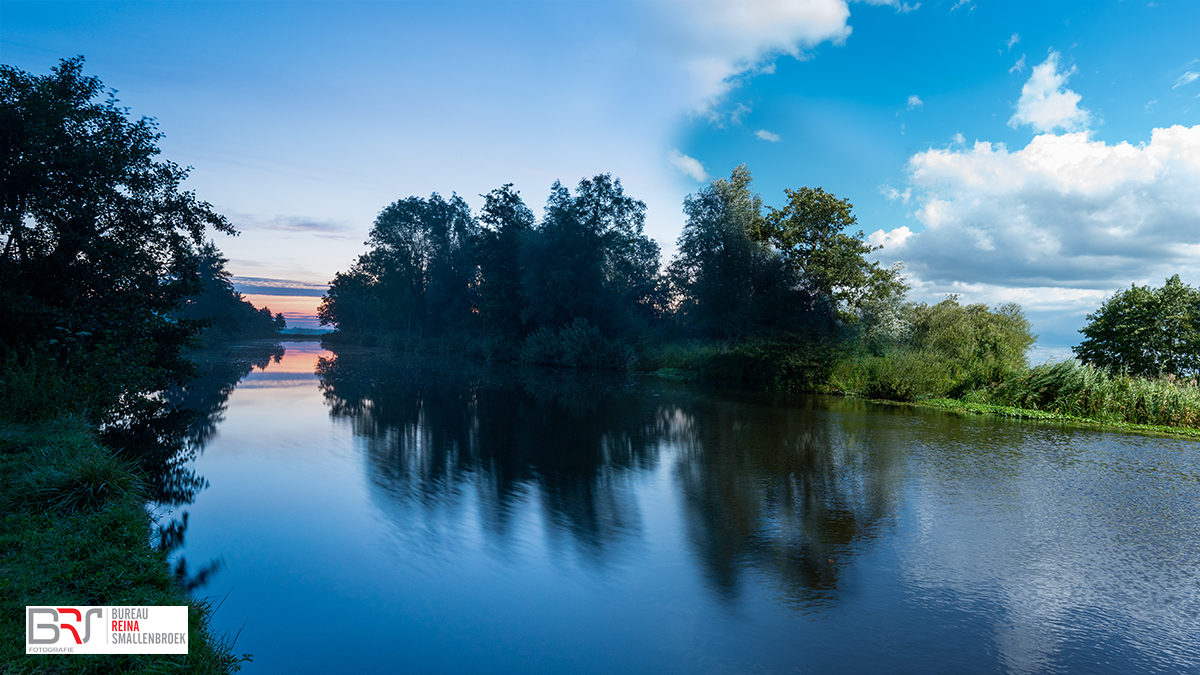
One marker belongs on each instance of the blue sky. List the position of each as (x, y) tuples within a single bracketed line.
[(1005, 151)]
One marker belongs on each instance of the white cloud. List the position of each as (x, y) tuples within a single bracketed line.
[(893, 194), (915, 102), (720, 42), (889, 239), (688, 165), (1062, 212), (898, 5), (1013, 40), (1046, 104), (1019, 66), (765, 135), (1186, 78)]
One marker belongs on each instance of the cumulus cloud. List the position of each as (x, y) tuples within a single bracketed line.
[(721, 41), (1064, 212), (1019, 66), (765, 135), (688, 165), (1186, 78), (1013, 40), (1046, 104), (915, 102)]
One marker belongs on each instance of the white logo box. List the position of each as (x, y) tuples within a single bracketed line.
[(106, 629)]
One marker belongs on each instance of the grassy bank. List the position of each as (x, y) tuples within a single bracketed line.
[(75, 531), (1066, 391)]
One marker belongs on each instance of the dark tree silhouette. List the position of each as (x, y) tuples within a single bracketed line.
[(99, 239)]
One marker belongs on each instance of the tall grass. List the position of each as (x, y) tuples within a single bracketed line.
[(1070, 388)]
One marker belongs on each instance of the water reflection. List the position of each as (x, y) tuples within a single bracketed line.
[(784, 491), (493, 519), (164, 439)]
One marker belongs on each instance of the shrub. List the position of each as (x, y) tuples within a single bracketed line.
[(579, 345)]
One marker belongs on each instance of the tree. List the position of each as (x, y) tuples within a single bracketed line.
[(1146, 331), (589, 259), (726, 283), (225, 313), (507, 223), (976, 346), (810, 233), (100, 241), (418, 277)]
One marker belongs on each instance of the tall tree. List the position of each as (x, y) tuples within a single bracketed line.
[(100, 240), (507, 222), (727, 284), (419, 276), (590, 259), (810, 232), (1146, 331)]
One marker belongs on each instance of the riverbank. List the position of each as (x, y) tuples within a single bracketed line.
[(75, 531)]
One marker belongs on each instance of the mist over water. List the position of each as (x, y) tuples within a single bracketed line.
[(377, 512)]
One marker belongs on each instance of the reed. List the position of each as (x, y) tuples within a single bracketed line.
[(1071, 388)]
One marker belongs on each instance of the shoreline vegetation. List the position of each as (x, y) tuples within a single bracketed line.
[(106, 279), (757, 297), (76, 531)]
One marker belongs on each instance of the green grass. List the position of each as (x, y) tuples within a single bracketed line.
[(75, 531), (970, 408)]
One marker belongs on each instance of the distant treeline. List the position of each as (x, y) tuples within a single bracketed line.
[(781, 298)]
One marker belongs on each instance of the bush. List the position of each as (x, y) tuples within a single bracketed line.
[(791, 362), (902, 374), (579, 345)]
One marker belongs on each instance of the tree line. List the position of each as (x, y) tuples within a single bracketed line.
[(434, 271)]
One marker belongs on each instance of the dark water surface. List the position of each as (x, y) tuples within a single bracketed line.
[(368, 513)]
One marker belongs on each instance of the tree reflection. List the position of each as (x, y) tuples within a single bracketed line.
[(430, 427), (164, 438), (784, 490)]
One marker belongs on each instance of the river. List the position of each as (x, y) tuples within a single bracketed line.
[(367, 512)]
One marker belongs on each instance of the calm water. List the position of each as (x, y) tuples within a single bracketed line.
[(374, 514)]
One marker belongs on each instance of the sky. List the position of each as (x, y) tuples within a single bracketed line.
[(1044, 153)]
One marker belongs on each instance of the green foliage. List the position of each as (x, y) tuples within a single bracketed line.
[(75, 532), (99, 239), (1146, 331), (579, 345), (783, 362), (938, 350), (902, 374), (981, 347), (810, 234), (1069, 388), (727, 284)]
